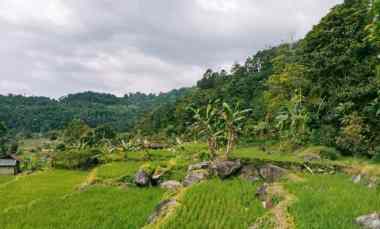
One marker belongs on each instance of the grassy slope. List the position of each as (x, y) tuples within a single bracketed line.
[(98, 207), (331, 202), (5, 179), (217, 204), (118, 169), (40, 186)]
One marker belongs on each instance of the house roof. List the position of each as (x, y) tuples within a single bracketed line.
[(7, 162)]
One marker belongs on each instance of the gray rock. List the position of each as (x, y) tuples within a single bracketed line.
[(201, 165), (371, 221), (262, 192), (250, 173), (161, 210), (171, 185), (356, 179), (272, 173), (224, 169), (142, 179), (311, 157), (195, 176)]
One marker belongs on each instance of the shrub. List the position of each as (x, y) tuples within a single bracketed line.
[(329, 153), (77, 158)]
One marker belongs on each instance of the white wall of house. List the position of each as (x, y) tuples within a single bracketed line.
[(7, 171)]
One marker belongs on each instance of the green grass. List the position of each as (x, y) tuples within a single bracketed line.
[(118, 170), (256, 153), (40, 186), (217, 204), (5, 179), (331, 202), (98, 207)]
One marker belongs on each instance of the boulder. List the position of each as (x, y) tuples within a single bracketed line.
[(201, 165), (162, 210), (272, 173), (356, 179), (371, 221), (262, 192), (224, 169), (156, 177), (311, 157), (195, 176), (142, 178), (250, 173), (171, 185)]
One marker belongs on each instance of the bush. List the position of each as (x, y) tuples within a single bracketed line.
[(329, 153), (77, 159), (376, 156)]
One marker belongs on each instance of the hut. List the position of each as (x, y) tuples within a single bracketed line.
[(9, 165)]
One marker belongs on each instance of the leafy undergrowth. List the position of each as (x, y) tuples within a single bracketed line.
[(97, 207), (118, 170), (217, 204), (39, 186), (331, 202)]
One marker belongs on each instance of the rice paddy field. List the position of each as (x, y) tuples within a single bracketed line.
[(97, 207), (5, 179), (331, 202), (66, 199), (117, 170), (217, 204)]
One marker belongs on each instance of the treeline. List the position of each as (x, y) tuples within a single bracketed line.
[(322, 90), (41, 114)]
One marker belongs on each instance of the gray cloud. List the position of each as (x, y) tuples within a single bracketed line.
[(55, 47)]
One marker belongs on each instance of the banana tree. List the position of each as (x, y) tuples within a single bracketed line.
[(207, 123), (233, 118)]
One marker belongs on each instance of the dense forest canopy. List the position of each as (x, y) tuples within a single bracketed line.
[(41, 114)]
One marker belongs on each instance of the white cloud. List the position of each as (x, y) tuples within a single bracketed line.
[(54, 47)]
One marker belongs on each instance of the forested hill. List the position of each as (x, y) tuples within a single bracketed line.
[(41, 114), (323, 89)]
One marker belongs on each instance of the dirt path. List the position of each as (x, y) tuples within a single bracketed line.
[(282, 218), (278, 216)]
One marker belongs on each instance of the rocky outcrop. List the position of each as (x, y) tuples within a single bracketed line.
[(201, 165), (250, 173), (162, 210), (371, 221), (272, 173), (195, 176), (171, 185), (311, 158), (225, 169), (142, 179)]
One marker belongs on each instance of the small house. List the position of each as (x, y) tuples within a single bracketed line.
[(9, 165)]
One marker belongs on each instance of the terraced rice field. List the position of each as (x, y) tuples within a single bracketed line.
[(217, 204), (97, 207), (331, 202), (39, 186), (118, 169), (5, 179)]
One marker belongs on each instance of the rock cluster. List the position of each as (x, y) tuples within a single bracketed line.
[(371, 221)]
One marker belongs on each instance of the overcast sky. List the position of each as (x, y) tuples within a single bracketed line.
[(55, 47)]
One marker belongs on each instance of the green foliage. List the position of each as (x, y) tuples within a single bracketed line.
[(77, 158), (352, 138), (3, 139)]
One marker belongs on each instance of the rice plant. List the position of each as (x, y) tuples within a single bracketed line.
[(39, 186), (217, 204), (98, 207), (118, 169), (331, 202)]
